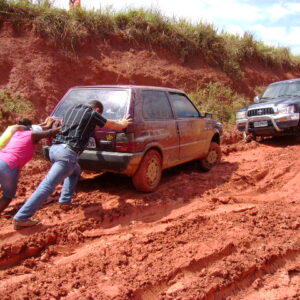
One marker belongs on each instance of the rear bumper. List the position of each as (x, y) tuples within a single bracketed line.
[(100, 161)]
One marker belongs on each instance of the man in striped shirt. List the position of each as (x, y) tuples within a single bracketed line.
[(78, 125)]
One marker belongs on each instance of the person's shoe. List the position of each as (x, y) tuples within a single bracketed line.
[(24, 224)]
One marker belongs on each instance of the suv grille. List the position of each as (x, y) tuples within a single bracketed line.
[(260, 112)]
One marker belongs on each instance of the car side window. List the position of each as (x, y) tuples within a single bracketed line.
[(156, 105), (183, 106)]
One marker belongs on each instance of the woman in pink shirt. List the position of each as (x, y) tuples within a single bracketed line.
[(19, 150)]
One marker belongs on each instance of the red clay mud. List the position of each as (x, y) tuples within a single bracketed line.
[(232, 233)]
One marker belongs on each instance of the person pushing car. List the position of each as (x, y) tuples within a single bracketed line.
[(14, 156), (78, 125)]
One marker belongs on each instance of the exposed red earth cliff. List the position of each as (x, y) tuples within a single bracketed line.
[(42, 72), (231, 233)]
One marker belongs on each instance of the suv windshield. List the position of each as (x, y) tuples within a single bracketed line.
[(114, 101), (284, 89)]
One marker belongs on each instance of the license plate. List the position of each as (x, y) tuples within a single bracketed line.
[(91, 143), (260, 124)]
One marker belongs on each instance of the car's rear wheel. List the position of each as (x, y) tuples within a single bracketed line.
[(148, 175), (212, 158)]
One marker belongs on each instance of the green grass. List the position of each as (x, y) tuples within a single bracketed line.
[(247, 48), (13, 105), (69, 29)]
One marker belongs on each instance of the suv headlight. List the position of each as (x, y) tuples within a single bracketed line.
[(241, 115), (286, 109)]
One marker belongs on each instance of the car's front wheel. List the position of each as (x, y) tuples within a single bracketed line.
[(212, 158), (148, 175)]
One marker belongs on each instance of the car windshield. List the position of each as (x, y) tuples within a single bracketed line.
[(284, 89), (114, 101)]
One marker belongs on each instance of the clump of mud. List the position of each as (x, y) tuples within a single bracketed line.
[(232, 136)]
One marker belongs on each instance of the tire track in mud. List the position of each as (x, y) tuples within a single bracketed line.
[(269, 267), (231, 280), (29, 244), (175, 239), (195, 268), (153, 207), (228, 289)]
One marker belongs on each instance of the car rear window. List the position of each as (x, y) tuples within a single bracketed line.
[(115, 101)]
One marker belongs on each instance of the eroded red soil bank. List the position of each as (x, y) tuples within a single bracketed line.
[(43, 73)]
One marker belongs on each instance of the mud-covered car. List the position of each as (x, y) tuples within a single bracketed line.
[(167, 130), (275, 112)]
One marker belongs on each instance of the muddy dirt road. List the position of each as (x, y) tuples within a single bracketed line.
[(232, 233)]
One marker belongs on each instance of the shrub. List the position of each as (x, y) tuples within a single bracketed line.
[(219, 100), (11, 106)]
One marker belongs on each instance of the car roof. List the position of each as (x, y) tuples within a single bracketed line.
[(141, 87), (288, 80)]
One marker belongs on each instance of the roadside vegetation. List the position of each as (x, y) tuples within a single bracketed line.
[(72, 28), (219, 100), (13, 105)]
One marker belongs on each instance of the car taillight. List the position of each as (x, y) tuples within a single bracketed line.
[(125, 142)]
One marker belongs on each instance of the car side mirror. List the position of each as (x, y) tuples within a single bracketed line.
[(256, 99), (208, 115)]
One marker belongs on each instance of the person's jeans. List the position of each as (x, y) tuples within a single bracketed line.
[(65, 168), (8, 180)]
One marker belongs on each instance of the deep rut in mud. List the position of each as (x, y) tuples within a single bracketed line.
[(231, 233)]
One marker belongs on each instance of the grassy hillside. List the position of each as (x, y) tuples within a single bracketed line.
[(71, 28)]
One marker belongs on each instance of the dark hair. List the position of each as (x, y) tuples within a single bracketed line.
[(25, 122), (96, 104)]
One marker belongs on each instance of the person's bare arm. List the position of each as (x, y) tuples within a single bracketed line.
[(47, 124), (16, 128), (8, 133), (38, 135), (111, 124)]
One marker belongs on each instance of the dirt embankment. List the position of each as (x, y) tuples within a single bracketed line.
[(43, 73)]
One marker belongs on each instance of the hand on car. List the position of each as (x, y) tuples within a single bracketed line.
[(56, 130), (126, 121)]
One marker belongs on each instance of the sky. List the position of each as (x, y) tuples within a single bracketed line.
[(274, 22)]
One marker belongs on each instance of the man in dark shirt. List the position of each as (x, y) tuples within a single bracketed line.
[(78, 125)]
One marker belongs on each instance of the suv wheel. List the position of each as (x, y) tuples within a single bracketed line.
[(148, 175), (212, 158)]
